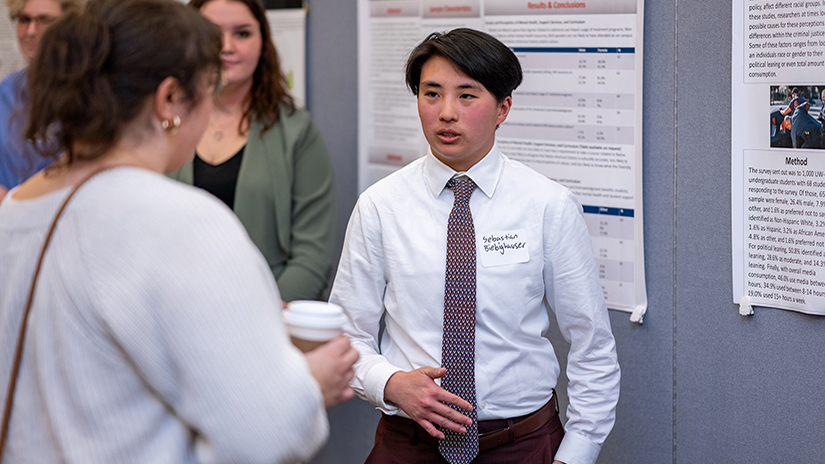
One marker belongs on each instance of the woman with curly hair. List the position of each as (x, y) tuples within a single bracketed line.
[(264, 157)]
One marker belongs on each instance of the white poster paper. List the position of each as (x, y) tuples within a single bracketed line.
[(288, 27), (576, 117), (778, 168)]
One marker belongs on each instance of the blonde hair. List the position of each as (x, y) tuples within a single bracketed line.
[(66, 6)]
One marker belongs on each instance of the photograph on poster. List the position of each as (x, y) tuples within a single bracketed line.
[(797, 115)]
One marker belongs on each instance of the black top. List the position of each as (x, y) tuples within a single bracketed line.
[(219, 180)]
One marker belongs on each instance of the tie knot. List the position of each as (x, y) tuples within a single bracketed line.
[(462, 189)]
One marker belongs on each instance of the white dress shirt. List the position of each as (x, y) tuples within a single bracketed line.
[(533, 255)]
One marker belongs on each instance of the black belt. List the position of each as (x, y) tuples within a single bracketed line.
[(501, 430)]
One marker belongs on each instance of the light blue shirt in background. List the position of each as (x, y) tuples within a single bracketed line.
[(18, 158)]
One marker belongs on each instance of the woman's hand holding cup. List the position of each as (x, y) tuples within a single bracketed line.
[(315, 328), (331, 365)]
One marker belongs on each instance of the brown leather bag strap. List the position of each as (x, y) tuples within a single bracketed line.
[(20, 338)]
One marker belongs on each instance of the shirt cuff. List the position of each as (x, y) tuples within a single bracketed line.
[(576, 449), (374, 385)]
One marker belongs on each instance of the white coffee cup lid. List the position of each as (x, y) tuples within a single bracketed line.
[(318, 314)]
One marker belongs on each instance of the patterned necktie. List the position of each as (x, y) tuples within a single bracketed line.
[(458, 345)]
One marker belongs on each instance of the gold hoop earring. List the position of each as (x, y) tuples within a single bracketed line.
[(172, 127)]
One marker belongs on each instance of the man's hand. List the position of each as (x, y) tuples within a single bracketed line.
[(331, 365), (418, 395)]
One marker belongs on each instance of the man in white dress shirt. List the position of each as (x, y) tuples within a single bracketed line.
[(533, 261)]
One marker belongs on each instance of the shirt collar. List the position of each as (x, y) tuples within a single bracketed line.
[(485, 173)]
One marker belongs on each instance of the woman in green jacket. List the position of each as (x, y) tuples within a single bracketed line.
[(264, 157)]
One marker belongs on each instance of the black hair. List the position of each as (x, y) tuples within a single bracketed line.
[(477, 54)]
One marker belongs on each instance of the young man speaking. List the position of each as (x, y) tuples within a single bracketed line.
[(468, 255)]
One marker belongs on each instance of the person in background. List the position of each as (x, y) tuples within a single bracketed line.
[(797, 101), (806, 131), (155, 333), (468, 256), (780, 130), (19, 159), (264, 157)]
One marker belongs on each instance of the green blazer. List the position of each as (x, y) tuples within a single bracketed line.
[(285, 198)]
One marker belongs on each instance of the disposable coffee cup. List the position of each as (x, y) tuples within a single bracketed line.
[(313, 323)]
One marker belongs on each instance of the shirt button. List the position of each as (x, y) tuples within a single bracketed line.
[(475, 357), (483, 405)]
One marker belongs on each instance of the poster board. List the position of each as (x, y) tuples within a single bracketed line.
[(576, 118), (778, 173)]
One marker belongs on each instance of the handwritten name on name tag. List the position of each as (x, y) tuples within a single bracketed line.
[(502, 248)]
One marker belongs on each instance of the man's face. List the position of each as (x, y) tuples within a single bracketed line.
[(458, 115), (32, 20), (786, 123)]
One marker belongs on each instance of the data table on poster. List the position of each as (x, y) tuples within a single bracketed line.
[(598, 89), (578, 106), (612, 238)]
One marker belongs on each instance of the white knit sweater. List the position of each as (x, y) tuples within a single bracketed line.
[(155, 335)]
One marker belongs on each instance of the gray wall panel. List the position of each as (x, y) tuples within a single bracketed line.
[(332, 93), (703, 265), (644, 422), (745, 389), (332, 98), (643, 431)]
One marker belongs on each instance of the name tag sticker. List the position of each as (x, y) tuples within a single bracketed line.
[(502, 248)]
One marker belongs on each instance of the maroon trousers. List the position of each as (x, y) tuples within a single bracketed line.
[(411, 444)]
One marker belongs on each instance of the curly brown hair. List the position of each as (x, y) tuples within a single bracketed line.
[(269, 85)]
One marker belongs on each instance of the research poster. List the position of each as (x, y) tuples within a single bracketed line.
[(288, 28), (576, 118), (778, 162)]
